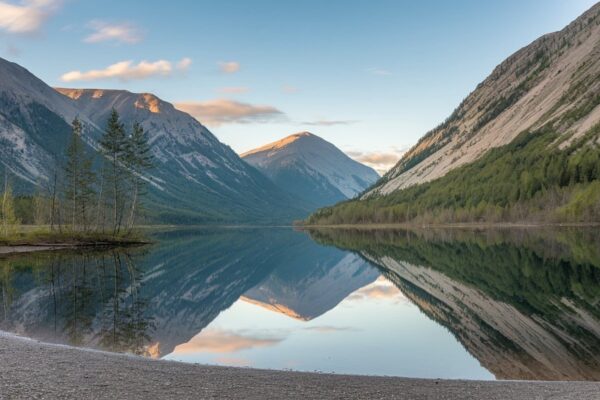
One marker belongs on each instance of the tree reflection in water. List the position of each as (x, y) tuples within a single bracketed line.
[(89, 298)]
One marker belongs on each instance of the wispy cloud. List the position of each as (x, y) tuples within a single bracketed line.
[(379, 71), (229, 67), (381, 161), (124, 32), (223, 341), (223, 111), (380, 289), (328, 122), (12, 50), (234, 90), (128, 70), (289, 89), (27, 16), (184, 64)]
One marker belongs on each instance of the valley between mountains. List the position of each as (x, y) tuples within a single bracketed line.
[(196, 179), (523, 146)]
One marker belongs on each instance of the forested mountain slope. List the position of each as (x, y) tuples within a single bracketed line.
[(525, 144)]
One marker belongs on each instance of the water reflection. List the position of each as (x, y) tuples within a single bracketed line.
[(454, 304), (84, 299), (524, 303)]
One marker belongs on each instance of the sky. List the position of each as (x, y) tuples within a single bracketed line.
[(369, 76)]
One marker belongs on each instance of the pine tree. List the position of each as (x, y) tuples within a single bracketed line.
[(79, 179), (113, 144), (139, 160)]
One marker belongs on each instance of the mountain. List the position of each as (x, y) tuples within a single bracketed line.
[(34, 125), (311, 169), (528, 134), (552, 79), (196, 177), (196, 172)]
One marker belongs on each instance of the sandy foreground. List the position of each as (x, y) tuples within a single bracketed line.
[(34, 370)]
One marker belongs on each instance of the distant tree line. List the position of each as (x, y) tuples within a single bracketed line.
[(82, 194)]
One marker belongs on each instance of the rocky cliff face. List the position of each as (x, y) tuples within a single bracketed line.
[(555, 79), (33, 125)]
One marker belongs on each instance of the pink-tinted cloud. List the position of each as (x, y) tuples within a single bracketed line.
[(27, 16), (328, 122), (128, 70), (222, 111), (381, 161), (233, 90), (123, 32), (229, 67)]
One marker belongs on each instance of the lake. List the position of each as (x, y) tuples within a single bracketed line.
[(428, 303)]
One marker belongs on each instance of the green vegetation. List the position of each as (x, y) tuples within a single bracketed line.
[(551, 276), (531, 179), (532, 270), (10, 223), (77, 207)]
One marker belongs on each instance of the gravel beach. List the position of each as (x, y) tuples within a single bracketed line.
[(34, 370)]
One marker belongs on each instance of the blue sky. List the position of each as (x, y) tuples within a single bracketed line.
[(369, 76)]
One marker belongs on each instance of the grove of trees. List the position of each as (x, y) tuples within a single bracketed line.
[(85, 193)]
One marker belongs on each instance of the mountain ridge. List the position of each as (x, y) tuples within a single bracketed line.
[(523, 92), (197, 178)]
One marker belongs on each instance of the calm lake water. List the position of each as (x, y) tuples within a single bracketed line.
[(431, 303)]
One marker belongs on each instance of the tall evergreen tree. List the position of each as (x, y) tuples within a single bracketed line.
[(139, 160), (113, 144), (79, 179)]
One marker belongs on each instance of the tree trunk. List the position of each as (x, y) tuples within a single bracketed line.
[(133, 208), (100, 209)]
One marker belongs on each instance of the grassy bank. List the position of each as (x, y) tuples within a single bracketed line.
[(29, 235)]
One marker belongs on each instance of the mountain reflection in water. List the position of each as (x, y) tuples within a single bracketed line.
[(453, 304)]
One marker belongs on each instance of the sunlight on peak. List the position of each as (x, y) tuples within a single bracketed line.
[(286, 141), (149, 102), (71, 93)]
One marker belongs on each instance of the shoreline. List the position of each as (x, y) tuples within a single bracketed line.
[(32, 369), (465, 225), (25, 248)]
